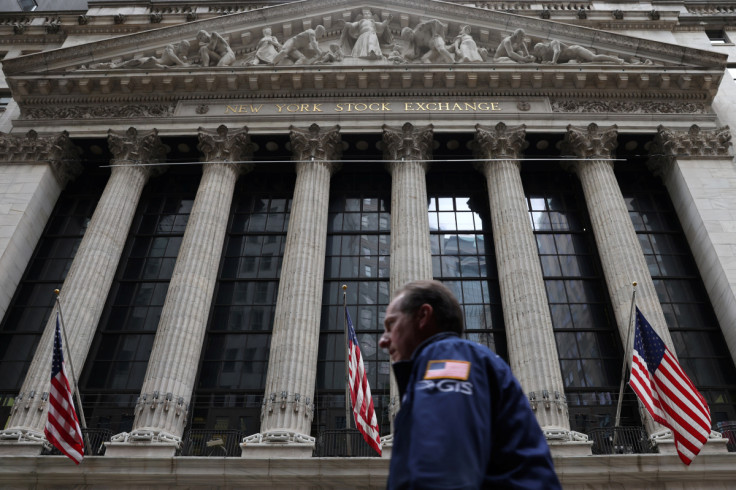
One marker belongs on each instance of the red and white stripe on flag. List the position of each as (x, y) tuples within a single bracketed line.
[(667, 393), (62, 427), (360, 392)]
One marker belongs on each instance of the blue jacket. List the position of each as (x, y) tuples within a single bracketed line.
[(465, 422)]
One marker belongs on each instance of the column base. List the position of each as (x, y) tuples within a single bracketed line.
[(387, 446), (143, 443), (21, 442), (20, 448), (277, 445), (565, 442), (716, 444)]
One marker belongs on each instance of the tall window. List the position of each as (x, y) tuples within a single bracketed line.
[(463, 253), (117, 361), (358, 244), (696, 334), (232, 376), (588, 342), (34, 298)]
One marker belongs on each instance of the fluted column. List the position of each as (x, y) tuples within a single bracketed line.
[(161, 411), (87, 284), (407, 150), (531, 341), (288, 409), (621, 255), (692, 164)]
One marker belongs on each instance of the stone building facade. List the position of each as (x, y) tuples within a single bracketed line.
[(199, 183)]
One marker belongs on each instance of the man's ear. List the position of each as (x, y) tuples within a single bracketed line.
[(425, 317)]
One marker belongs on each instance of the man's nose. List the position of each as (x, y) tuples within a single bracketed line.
[(383, 341)]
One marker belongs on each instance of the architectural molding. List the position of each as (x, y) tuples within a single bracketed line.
[(500, 141), (408, 142), (224, 145), (136, 148), (693, 143), (316, 143), (629, 106), (591, 141), (58, 151)]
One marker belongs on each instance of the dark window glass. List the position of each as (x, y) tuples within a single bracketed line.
[(358, 244), (118, 358), (695, 331), (234, 361), (463, 252), (588, 342)]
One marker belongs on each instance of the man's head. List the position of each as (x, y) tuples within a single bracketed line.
[(419, 310), (203, 37)]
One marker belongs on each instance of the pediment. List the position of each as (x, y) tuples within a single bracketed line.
[(168, 62)]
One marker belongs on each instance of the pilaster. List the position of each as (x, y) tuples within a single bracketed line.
[(33, 171), (162, 408), (288, 407), (692, 164), (531, 342), (87, 284)]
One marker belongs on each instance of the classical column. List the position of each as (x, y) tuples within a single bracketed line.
[(287, 409), (161, 411), (531, 341), (700, 176), (618, 246), (407, 150), (33, 171), (87, 284)]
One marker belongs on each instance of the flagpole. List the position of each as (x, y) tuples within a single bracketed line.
[(74, 377), (347, 375), (626, 358)]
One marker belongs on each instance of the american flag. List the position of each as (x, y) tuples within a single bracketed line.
[(360, 392), (667, 392), (62, 427)]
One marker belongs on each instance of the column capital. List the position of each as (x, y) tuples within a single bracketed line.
[(316, 143), (133, 147), (500, 141), (407, 142), (226, 146), (693, 143), (591, 141), (56, 149)]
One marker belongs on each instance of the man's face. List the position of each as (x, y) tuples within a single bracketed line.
[(401, 334)]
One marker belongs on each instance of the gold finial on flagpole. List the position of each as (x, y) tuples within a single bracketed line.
[(344, 287), (633, 283), (57, 291)]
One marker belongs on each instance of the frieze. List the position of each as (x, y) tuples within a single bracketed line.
[(632, 107), (99, 111)]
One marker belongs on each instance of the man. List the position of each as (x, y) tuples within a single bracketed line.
[(302, 49), (214, 47), (464, 420), (553, 52), (513, 49)]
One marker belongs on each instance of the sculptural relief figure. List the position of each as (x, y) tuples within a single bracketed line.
[(267, 49), (333, 55), (363, 38), (173, 55), (213, 47), (513, 49), (553, 52), (427, 42), (303, 48), (465, 48)]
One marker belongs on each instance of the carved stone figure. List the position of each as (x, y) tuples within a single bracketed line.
[(427, 42), (303, 48), (363, 38), (465, 47), (553, 52), (173, 55), (213, 47), (267, 49), (334, 55), (513, 49)]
